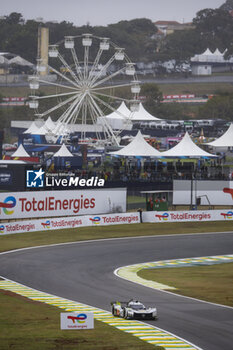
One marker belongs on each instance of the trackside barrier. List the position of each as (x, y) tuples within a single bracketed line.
[(68, 222), (114, 219), (184, 216)]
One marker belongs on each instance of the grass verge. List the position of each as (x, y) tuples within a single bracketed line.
[(210, 283), (175, 88), (35, 326), (30, 239)]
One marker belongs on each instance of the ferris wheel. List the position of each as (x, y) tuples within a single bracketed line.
[(90, 71)]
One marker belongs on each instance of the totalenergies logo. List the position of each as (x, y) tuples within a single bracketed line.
[(163, 217), (2, 228), (228, 215), (95, 220), (46, 224), (229, 191), (9, 202), (79, 318)]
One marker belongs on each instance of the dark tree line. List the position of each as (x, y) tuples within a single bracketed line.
[(20, 37), (211, 28)]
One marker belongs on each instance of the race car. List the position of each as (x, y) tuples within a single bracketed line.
[(133, 309)]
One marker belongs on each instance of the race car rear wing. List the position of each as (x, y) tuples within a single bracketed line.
[(121, 303)]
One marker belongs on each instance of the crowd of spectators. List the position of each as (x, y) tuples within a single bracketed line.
[(150, 171)]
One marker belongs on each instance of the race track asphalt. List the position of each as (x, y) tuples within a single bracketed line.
[(83, 272)]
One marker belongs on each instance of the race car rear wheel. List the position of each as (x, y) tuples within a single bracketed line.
[(125, 313), (113, 311)]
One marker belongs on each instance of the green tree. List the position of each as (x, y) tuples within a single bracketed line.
[(179, 46), (220, 106), (20, 37), (14, 18), (171, 111), (227, 6), (153, 97), (215, 27)]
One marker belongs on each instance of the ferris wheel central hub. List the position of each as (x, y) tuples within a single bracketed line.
[(85, 89)]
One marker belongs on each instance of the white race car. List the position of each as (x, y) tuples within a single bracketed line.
[(133, 309)]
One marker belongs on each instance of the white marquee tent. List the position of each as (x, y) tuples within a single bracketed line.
[(138, 147), (49, 124), (33, 129), (211, 57), (122, 118), (63, 152), (20, 61), (119, 119), (20, 152), (143, 115), (186, 148), (121, 112), (40, 131), (226, 140)]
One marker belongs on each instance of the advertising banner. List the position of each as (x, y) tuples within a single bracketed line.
[(192, 215), (61, 203), (115, 219), (68, 222), (77, 320), (186, 192)]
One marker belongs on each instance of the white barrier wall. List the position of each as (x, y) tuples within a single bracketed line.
[(113, 219), (210, 192), (39, 204), (68, 222), (183, 216)]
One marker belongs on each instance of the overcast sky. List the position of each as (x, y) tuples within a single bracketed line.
[(103, 12)]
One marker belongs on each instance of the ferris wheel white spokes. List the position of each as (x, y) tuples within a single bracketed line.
[(77, 65), (61, 104), (83, 87), (104, 46), (64, 77), (107, 129)]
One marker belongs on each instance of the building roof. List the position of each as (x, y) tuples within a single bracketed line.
[(163, 23)]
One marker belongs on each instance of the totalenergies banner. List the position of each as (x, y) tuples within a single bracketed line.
[(192, 215), (68, 222), (61, 203), (113, 219)]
